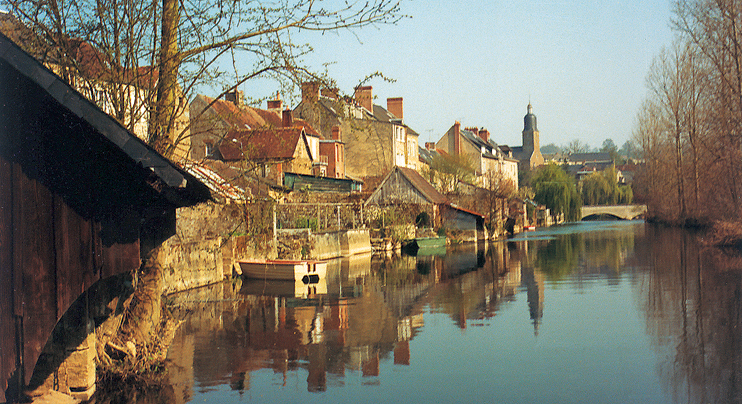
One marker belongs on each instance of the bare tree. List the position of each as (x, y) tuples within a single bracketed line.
[(668, 84), (184, 45)]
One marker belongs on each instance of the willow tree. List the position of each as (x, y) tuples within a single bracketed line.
[(555, 189), (187, 45)]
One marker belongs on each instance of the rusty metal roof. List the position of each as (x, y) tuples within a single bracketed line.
[(217, 184), (425, 188)]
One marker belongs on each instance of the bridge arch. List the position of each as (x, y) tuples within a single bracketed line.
[(625, 212)]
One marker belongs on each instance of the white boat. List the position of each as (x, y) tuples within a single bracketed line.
[(287, 270)]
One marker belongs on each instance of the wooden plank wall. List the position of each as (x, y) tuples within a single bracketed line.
[(49, 255)]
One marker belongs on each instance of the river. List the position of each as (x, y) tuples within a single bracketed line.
[(598, 312)]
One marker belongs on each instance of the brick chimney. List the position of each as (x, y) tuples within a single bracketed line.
[(287, 119), (310, 91), (336, 133), (275, 104), (456, 138), (395, 106), (364, 97), (430, 145), (484, 134), (236, 96)]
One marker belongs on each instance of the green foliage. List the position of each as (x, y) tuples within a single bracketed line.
[(304, 222), (602, 188), (555, 189)]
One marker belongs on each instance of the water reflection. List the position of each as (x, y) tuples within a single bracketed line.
[(362, 322), (692, 300)]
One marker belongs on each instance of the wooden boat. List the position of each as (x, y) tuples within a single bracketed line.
[(287, 270), (421, 244), (430, 242)]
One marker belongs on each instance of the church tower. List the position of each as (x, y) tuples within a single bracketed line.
[(531, 142)]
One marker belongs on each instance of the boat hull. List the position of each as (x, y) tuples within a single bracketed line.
[(285, 270)]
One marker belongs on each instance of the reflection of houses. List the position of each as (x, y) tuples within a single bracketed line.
[(489, 161), (376, 139), (404, 186)]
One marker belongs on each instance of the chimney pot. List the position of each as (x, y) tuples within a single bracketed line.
[(236, 96), (430, 145), (457, 138), (484, 134), (336, 133), (276, 104)]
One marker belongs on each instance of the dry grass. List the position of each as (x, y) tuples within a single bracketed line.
[(724, 234)]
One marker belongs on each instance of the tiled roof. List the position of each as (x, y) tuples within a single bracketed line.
[(261, 144), (242, 118)]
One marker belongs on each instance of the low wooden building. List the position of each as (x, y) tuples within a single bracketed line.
[(81, 199), (404, 186)]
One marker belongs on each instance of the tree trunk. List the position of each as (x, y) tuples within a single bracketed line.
[(167, 83)]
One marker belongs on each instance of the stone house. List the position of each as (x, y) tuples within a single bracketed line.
[(376, 138), (230, 131), (404, 186), (489, 160)]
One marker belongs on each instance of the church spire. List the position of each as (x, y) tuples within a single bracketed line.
[(529, 121)]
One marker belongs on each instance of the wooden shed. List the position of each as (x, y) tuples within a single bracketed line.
[(406, 186), (81, 199)]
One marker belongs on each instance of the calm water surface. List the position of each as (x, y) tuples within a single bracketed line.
[(601, 312)]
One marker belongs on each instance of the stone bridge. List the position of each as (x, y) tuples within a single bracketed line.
[(626, 212)]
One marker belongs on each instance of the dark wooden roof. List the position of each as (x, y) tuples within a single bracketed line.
[(59, 135), (404, 185)]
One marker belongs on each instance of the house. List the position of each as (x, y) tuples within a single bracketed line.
[(529, 154), (81, 199), (376, 138), (404, 186), (268, 153), (490, 162), (267, 143)]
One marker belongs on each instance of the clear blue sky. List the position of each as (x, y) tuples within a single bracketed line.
[(581, 63)]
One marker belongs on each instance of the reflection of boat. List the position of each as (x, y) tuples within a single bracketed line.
[(424, 252), (290, 289), (288, 270)]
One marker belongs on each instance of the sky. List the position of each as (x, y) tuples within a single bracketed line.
[(581, 63)]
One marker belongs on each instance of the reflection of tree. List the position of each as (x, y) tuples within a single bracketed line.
[(694, 307), (587, 252), (558, 258)]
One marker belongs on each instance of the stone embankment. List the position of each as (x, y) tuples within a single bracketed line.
[(207, 244)]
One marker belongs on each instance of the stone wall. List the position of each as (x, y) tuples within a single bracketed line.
[(190, 264), (303, 244)]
